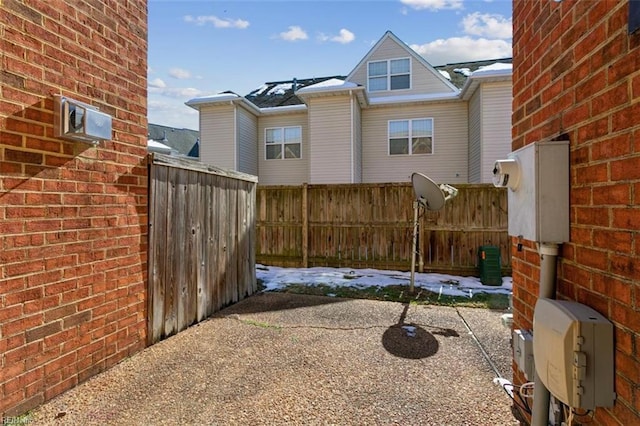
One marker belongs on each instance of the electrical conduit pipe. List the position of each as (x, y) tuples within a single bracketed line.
[(548, 273)]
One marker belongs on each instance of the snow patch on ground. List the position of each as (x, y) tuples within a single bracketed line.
[(276, 278)]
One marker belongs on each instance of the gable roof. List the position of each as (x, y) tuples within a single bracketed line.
[(459, 72), (410, 51), (288, 95), (282, 93), (181, 140)]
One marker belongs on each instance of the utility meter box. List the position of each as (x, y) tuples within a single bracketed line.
[(573, 353), (537, 176), (522, 341)]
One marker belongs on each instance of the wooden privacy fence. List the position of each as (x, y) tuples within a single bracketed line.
[(371, 226), (201, 242)]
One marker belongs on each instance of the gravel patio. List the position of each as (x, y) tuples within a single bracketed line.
[(284, 359)]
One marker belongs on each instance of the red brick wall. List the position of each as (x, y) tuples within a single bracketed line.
[(73, 238), (577, 73)]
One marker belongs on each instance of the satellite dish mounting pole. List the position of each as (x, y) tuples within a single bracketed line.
[(432, 197), (416, 207)]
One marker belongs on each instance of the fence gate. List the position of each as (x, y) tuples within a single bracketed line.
[(201, 242)]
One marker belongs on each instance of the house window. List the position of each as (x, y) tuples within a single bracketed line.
[(394, 74), (283, 142), (411, 137)]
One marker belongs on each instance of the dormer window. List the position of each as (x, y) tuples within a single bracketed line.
[(393, 74)]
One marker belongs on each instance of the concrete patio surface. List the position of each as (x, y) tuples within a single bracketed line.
[(284, 359)]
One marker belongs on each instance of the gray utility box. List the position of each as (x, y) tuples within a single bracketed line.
[(539, 204)]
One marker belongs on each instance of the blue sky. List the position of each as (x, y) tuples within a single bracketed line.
[(198, 48)]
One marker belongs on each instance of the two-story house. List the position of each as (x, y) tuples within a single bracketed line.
[(392, 115)]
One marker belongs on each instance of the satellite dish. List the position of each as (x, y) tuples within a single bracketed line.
[(431, 196), (428, 193)]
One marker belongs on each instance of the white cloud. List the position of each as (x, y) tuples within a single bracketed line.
[(158, 105), (345, 37), (433, 4), (461, 49), (217, 22), (166, 106), (487, 25), (157, 83), (173, 114), (177, 92), (179, 73), (295, 33)]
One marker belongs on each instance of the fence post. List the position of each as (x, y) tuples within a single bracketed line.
[(305, 227)]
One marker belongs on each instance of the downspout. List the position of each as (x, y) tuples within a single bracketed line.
[(351, 135), (235, 137), (548, 274)]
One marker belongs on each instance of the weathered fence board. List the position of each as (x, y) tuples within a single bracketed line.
[(371, 226), (201, 242)]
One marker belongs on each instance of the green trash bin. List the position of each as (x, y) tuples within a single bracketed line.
[(489, 263)]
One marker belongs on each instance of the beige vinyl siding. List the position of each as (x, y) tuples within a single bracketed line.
[(289, 171), (357, 142), (217, 136), (423, 81), (448, 163), (475, 137), (247, 142), (496, 125), (330, 144)]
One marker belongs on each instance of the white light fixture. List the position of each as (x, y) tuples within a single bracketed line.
[(77, 121)]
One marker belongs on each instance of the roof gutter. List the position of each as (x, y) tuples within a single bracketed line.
[(282, 109), (438, 97), (197, 103)]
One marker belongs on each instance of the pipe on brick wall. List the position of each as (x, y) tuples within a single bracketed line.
[(548, 273)]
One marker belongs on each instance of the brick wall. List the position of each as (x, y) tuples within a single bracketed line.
[(577, 73), (73, 238)]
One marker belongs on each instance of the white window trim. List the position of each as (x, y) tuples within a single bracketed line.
[(410, 154), (282, 144), (388, 61)]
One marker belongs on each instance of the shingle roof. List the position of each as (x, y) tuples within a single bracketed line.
[(281, 93), (458, 72), (182, 140)]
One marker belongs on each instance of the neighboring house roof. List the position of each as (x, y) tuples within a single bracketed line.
[(183, 141), (282, 93), (289, 95), (459, 72), (498, 71), (161, 148), (334, 86)]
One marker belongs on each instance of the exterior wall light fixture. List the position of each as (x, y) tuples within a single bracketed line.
[(77, 121)]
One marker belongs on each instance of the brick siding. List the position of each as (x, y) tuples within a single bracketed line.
[(73, 237), (577, 73)]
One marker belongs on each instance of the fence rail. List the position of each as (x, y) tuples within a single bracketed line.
[(371, 226)]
